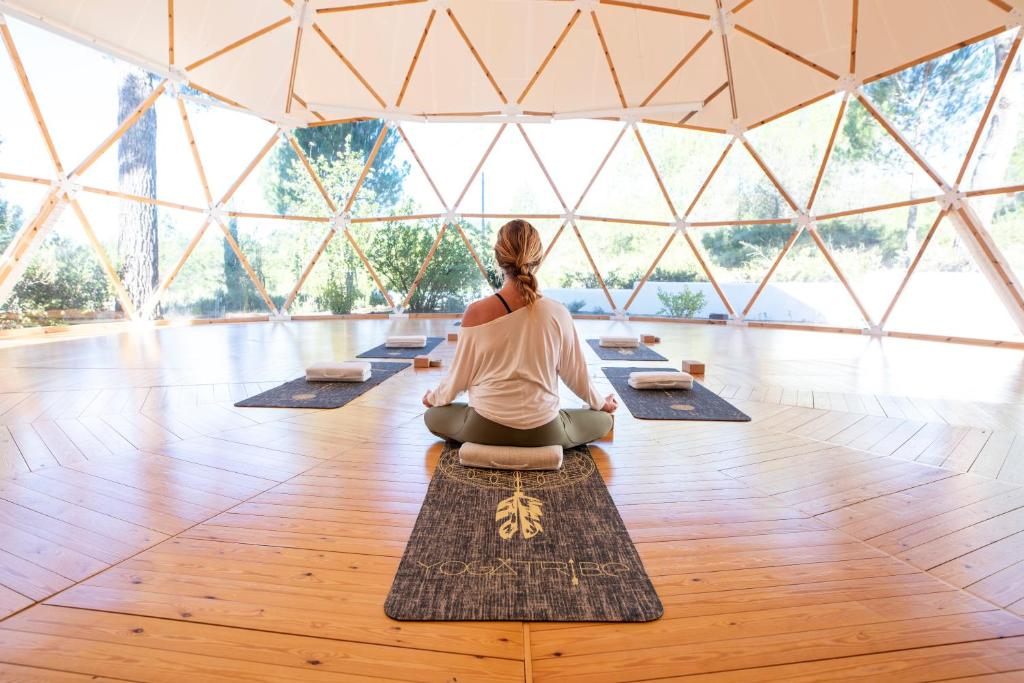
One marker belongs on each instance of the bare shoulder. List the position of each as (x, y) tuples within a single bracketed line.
[(478, 313)]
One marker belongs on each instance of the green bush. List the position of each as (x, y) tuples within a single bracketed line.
[(684, 304)]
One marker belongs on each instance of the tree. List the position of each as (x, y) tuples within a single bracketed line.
[(398, 251), (138, 244), (357, 138), (684, 304)]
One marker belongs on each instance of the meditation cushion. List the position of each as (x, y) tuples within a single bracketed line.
[(335, 371), (410, 341), (661, 380), (510, 457), (619, 341)]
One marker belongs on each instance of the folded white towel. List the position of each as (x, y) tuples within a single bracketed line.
[(409, 341), (619, 341), (510, 457), (656, 379), (336, 371)]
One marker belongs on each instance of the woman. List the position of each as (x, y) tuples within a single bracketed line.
[(513, 347)]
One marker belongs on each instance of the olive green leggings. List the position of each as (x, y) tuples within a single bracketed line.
[(459, 422)]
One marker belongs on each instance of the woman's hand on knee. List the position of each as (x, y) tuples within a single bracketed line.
[(611, 404)]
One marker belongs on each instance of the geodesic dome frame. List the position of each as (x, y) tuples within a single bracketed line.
[(718, 110)]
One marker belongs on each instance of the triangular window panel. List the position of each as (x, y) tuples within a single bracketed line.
[(565, 274), (997, 160), (157, 160), (678, 286), (213, 282), (683, 159), (280, 183), (24, 153), (397, 251), (278, 251), (19, 203), (228, 141), (622, 252), (874, 250), (793, 145), (216, 25), (447, 78), (1003, 217), (937, 105), (77, 89), (339, 283), (338, 154), (398, 184), (948, 296), (450, 152), (868, 167), (804, 289), (572, 152), (626, 187), (511, 181), (739, 190), (63, 284)]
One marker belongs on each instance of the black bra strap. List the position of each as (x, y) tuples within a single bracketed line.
[(503, 302)]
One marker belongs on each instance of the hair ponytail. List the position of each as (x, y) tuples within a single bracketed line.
[(518, 252)]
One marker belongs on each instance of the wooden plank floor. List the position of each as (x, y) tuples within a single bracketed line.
[(866, 525)]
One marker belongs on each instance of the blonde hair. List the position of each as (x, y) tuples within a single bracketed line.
[(518, 252)]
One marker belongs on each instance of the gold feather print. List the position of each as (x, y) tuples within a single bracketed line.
[(519, 513)]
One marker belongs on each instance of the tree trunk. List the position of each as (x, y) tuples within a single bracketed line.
[(997, 144), (138, 240)]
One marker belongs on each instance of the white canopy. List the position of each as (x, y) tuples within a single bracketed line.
[(302, 62)]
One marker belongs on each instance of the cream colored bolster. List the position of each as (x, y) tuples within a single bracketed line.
[(661, 380), (510, 457), (334, 371), (411, 341), (619, 341)]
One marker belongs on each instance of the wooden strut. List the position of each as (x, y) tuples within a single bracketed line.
[(476, 55), (423, 268), (423, 168), (913, 266), (656, 8), (771, 270), (600, 166), (26, 88), (108, 267), (1007, 64), (789, 53), (854, 20), (828, 153), (195, 151), (543, 168), (368, 5), (349, 65), (710, 176), (170, 32), (654, 264), (768, 173), (728, 69), (593, 266), (238, 43), (900, 140), (707, 272), (548, 56), (675, 69), (415, 57), (248, 268), (296, 50), (608, 58), (839, 274)]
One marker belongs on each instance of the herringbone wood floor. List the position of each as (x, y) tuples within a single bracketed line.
[(868, 523)]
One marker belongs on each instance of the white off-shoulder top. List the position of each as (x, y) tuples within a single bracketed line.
[(511, 366)]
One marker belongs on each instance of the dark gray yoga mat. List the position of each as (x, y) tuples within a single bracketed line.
[(500, 545), (383, 351), (698, 403), (642, 352), (302, 394)]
